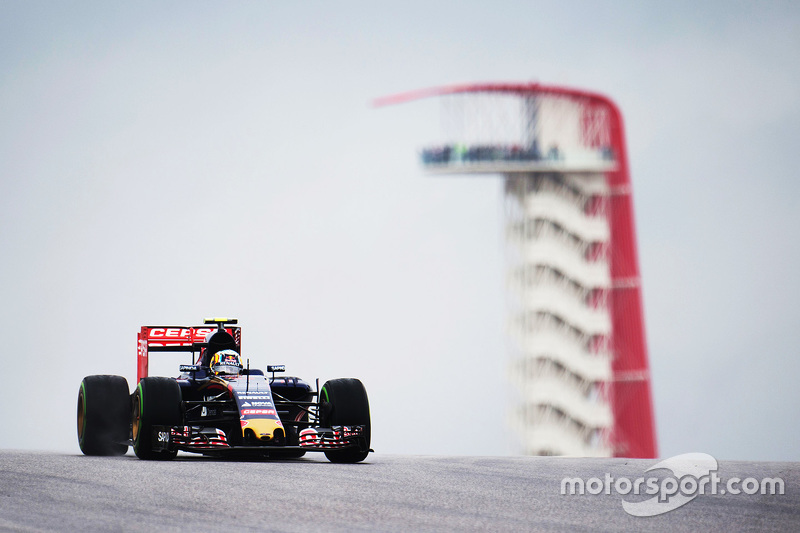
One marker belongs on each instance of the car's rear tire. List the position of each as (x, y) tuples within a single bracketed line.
[(104, 412), (156, 402), (345, 403)]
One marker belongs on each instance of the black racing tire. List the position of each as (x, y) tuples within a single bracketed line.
[(104, 413), (345, 403), (156, 402)]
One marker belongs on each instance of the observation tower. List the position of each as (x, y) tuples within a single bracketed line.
[(578, 368)]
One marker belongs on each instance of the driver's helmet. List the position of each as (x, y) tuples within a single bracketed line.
[(226, 362)]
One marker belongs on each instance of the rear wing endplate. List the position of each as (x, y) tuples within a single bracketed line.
[(175, 339)]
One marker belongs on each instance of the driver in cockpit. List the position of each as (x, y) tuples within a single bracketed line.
[(226, 363)]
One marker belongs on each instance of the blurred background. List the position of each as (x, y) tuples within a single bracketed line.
[(161, 164)]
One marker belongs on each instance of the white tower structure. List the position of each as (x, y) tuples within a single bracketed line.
[(557, 278)]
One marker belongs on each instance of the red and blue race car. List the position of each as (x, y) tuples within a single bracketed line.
[(219, 406)]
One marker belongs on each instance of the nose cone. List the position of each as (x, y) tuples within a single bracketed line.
[(265, 429)]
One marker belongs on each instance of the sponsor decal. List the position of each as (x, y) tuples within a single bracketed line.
[(258, 412), (261, 404), (169, 333), (142, 349), (177, 336)]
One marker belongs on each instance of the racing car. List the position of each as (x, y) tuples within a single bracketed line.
[(218, 406)]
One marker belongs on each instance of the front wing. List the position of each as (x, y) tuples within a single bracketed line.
[(204, 439)]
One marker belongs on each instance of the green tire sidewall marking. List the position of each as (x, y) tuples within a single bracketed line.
[(141, 409), (83, 428), (325, 394)]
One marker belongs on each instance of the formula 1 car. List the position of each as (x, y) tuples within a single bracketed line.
[(217, 406)]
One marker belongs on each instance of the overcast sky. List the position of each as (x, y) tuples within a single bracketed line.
[(163, 164)]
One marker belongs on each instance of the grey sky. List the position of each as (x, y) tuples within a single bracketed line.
[(162, 164)]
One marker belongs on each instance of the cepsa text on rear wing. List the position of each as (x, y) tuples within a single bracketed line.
[(177, 339)]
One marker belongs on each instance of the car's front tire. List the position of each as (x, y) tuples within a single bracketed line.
[(156, 402), (347, 405), (104, 412)]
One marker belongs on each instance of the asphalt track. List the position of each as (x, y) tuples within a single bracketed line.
[(70, 492)]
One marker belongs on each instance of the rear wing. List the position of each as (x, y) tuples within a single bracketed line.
[(178, 339)]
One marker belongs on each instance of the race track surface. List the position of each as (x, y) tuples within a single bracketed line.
[(63, 492)]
